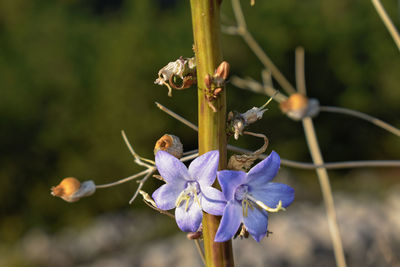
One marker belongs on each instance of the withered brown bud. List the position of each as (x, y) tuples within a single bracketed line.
[(217, 91), (222, 71), (171, 144)]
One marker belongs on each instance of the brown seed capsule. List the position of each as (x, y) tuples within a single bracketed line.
[(171, 144), (222, 71)]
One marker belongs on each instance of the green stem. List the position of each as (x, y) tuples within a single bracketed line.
[(212, 136)]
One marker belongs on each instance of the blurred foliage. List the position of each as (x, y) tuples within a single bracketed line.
[(74, 73)]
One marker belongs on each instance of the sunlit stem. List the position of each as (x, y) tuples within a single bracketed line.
[(265, 207)]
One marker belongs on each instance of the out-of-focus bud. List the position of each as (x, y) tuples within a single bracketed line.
[(71, 190), (297, 107), (171, 144)]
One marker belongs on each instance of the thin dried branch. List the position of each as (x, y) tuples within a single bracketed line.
[(327, 165), (254, 86), (138, 160), (257, 50), (297, 164), (387, 21), (384, 125), (124, 180), (141, 184), (326, 191), (176, 116), (257, 87), (300, 74), (200, 250)]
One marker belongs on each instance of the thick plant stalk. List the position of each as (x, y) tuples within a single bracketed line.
[(212, 136)]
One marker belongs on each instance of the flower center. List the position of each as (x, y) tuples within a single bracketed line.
[(192, 189), (243, 195), (241, 192)]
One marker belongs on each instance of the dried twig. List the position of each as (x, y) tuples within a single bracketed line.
[(297, 164), (387, 21), (326, 191), (124, 180), (257, 50), (300, 74), (361, 115), (141, 184)]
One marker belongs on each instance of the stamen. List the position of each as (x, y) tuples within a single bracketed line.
[(179, 199), (196, 198), (187, 203), (265, 207), (245, 206)]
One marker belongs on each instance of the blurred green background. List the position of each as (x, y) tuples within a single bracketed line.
[(73, 74)]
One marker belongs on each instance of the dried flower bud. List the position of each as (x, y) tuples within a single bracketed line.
[(222, 71), (253, 115), (194, 235), (71, 190), (297, 107), (181, 68), (171, 144)]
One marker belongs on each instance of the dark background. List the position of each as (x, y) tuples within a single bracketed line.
[(74, 73)]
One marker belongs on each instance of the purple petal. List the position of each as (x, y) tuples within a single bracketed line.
[(264, 171), (256, 222), (230, 222), (229, 181), (204, 168), (166, 196), (271, 193), (171, 168), (189, 220), (212, 200)]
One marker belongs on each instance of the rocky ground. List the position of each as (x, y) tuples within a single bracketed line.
[(370, 232)]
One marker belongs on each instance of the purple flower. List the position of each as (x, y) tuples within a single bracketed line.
[(250, 196), (189, 190)]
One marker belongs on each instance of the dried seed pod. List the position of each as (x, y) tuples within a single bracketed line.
[(298, 106), (171, 144), (71, 190)]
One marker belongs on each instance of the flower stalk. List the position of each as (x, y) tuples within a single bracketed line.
[(212, 136)]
